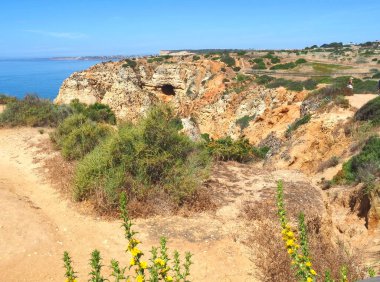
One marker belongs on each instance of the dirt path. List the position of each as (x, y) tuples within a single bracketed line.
[(358, 100), (37, 225)]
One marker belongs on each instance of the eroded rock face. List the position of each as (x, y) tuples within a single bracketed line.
[(196, 90)]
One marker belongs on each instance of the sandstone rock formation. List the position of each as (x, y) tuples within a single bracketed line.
[(204, 90)]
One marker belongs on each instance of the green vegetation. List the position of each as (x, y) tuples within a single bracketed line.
[(150, 157), (77, 135), (259, 64), (196, 58), (5, 99), (226, 149), (376, 75), (160, 267), (297, 123), (33, 111), (264, 79), (243, 122), (300, 61), (364, 167), (369, 112), (241, 77), (328, 68), (227, 59), (285, 66), (96, 112), (129, 63)]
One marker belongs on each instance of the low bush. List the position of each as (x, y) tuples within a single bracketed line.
[(196, 58), (226, 149), (264, 79), (364, 167), (342, 102), (5, 99), (33, 111), (285, 66), (129, 63), (297, 123), (259, 64), (141, 159), (369, 112), (243, 122), (96, 112), (241, 77), (227, 59), (376, 75), (77, 135), (300, 61), (310, 84)]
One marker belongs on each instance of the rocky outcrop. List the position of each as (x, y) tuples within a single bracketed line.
[(205, 91)]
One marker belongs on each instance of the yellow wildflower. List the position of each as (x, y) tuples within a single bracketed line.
[(312, 271), (132, 262), (135, 252), (143, 265), (168, 278), (159, 261), (140, 278), (290, 234), (309, 279), (289, 243), (308, 263), (290, 251)]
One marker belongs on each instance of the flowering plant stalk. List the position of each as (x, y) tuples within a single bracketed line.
[(158, 268), (299, 254)]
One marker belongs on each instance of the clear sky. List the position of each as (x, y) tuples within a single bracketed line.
[(45, 28)]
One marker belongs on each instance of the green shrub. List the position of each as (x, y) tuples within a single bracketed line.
[(227, 59), (241, 53), (363, 167), (264, 79), (129, 63), (243, 122), (97, 112), (77, 135), (226, 149), (241, 77), (196, 58), (342, 102), (300, 61), (259, 64), (140, 159), (5, 99), (365, 86), (275, 60), (376, 75), (370, 112), (294, 86), (33, 111), (303, 120), (285, 66), (310, 84)]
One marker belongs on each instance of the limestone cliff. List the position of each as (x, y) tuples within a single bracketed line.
[(205, 91)]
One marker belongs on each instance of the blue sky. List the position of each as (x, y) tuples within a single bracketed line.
[(45, 28)]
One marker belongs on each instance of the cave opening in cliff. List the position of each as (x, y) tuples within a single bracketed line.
[(168, 89)]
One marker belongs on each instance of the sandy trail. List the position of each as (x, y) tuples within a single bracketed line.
[(38, 224), (358, 100)]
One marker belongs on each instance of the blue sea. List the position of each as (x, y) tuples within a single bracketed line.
[(40, 76)]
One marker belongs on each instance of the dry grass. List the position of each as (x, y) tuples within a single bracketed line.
[(269, 253)]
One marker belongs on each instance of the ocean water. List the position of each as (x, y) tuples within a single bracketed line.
[(40, 76)]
